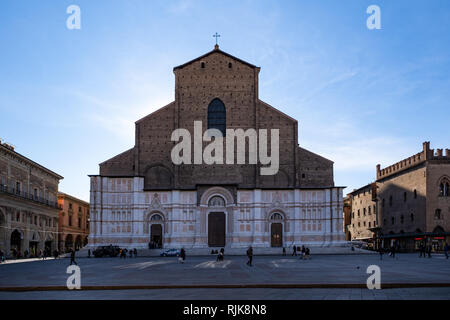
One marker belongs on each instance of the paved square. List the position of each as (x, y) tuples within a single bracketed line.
[(271, 277)]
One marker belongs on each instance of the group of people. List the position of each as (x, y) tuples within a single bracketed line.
[(17, 254), (425, 250), (123, 253), (303, 251)]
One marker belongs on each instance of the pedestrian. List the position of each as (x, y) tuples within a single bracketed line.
[(182, 255), (284, 251), (2, 256), (429, 251), (55, 254), (131, 253), (393, 251), (446, 247), (89, 253), (380, 251), (307, 252), (221, 254), (303, 251), (250, 256), (294, 252), (135, 252), (72, 257)]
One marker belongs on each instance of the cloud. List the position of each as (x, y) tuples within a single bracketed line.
[(180, 6)]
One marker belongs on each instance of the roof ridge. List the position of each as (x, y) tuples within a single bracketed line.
[(211, 52)]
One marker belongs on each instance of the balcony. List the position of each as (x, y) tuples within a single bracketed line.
[(27, 196)]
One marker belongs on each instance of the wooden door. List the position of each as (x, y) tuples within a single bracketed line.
[(216, 229), (276, 235)]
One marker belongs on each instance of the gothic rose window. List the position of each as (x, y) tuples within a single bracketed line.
[(217, 116), (216, 201)]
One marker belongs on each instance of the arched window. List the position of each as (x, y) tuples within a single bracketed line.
[(437, 214), (444, 187), (217, 116), (276, 216), (156, 217), (216, 201)]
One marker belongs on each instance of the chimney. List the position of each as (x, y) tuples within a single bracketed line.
[(447, 152), (439, 153)]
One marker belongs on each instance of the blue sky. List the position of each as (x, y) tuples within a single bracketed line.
[(69, 98)]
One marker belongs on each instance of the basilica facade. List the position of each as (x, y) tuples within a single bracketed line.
[(141, 198)]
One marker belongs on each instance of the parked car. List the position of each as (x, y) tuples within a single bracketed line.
[(102, 251), (170, 253)]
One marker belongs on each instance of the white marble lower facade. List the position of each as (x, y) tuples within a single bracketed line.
[(123, 214)]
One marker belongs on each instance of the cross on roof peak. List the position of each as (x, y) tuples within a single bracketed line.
[(217, 38)]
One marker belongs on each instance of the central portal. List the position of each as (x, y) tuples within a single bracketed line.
[(156, 236), (216, 229)]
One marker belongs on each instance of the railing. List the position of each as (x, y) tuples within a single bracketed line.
[(28, 196)]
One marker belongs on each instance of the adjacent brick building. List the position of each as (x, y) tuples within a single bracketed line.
[(28, 204), (73, 222), (142, 198), (363, 217), (412, 201)]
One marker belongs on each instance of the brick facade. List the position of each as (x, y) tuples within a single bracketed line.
[(128, 183), (412, 201)]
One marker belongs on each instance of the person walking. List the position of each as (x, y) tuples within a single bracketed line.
[(429, 251), (380, 251), (284, 251), (294, 252), (250, 256), (72, 257), (2, 256), (446, 247), (393, 251), (55, 254), (182, 255), (307, 252), (89, 253)]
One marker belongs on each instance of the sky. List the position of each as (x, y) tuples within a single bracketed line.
[(69, 98)]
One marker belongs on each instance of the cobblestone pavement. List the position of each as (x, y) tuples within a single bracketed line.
[(267, 270)]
